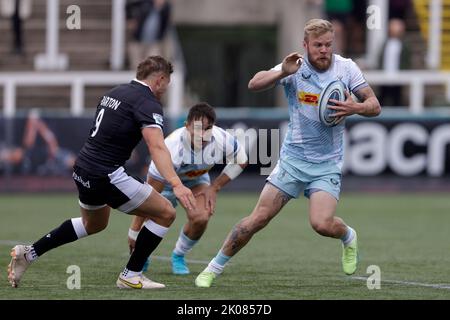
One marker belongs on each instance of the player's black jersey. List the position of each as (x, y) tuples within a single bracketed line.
[(120, 116)]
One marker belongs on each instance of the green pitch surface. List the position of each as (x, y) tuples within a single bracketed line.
[(406, 236)]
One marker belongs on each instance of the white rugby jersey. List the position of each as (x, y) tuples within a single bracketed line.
[(307, 138), (190, 164)]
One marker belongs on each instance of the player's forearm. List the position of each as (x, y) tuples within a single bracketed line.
[(370, 107), (136, 223), (163, 162), (264, 80), (220, 182), (230, 172)]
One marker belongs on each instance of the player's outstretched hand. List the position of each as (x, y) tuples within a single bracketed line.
[(185, 196), (292, 63)]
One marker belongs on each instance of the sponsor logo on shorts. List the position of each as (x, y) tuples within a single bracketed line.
[(85, 184), (282, 173), (334, 181)]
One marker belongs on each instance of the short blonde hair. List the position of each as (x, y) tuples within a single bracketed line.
[(317, 27)]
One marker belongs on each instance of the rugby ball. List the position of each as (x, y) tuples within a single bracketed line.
[(334, 90)]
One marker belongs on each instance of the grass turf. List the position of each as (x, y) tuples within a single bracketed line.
[(406, 235)]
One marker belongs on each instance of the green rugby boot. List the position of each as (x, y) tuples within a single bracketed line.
[(205, 279), (350, 257)]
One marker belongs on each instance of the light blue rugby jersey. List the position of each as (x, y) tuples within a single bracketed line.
[(307, 138)]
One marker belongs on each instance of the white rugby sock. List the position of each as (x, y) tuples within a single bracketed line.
[(218, 263), (155, 228), (79, 228), (184, 244), (348, 237), (31, 255), (130, 274)]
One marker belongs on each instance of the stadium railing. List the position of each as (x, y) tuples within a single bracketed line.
[(79, 80)]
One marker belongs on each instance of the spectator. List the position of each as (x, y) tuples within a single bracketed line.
[(339, 13), (149, 21), (17, 11), (58, 161), (398, 9), (395, 56), (357, 24)]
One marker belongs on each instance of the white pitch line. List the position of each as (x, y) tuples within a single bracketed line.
[(187, 260), (12, 242), (163, 258), (410, 283)]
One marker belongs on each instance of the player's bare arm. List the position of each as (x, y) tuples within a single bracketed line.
[(369, 107), (264, 80), (163, 162)]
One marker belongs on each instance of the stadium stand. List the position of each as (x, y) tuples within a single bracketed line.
[(89, 50), (422, 8), (93, 54)]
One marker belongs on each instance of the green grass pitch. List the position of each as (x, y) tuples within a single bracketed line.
[(405, 235)]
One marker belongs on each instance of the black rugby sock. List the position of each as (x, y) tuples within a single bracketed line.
[(146, 243), (65, 233)]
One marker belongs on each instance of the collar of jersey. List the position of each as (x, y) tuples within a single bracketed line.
[(143, 83)]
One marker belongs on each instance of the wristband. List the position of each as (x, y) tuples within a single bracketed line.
[(232, 170), (132, 234)]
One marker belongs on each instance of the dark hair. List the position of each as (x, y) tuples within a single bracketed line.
[(153, 64), (201, 110)]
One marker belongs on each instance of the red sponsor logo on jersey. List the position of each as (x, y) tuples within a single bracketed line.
[(308, 98)]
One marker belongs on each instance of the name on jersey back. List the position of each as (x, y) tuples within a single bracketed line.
[(109, 102)]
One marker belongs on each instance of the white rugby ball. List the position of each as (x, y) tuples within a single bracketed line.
[(334, 90)]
